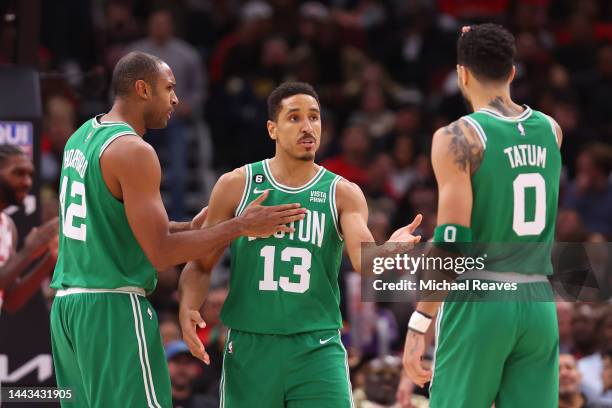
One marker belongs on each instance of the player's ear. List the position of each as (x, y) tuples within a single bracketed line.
[(512, 74), (142, 89), (271, 129), (462, 74)]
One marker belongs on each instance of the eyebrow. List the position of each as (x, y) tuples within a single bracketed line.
[(297, 110)]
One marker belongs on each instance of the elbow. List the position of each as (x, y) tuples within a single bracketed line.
[(160, 264), (159, 261)]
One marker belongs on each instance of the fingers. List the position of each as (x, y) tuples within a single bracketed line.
[(290, 216), (285, 207), (190, 336), (415, 371), (415, 223), (260, 199)]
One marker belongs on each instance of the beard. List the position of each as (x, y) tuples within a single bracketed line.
[(8, 194), (306, 157)]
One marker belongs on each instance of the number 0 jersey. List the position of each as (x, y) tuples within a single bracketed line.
[(97, 248), (515, 190), (287, 283)]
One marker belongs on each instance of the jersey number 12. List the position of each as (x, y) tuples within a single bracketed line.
[(78, 211)]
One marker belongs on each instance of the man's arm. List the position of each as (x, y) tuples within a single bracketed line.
[(24, 288), (456, 153), (195, 278), (36, 244), (130, 166), (195, 223), (353, 220)]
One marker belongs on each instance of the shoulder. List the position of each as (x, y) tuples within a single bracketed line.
[(458, 143), (234, 179), (226, 195), (555, 127), (349, 195), (130, 154), (130, 147)]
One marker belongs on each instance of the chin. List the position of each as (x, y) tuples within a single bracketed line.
[(307, 157), (159, 125)]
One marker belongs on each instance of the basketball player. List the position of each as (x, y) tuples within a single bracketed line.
[(16, 170), (283, 347), (114, 234), (498, 181)]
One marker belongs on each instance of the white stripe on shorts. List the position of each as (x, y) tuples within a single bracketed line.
[(144, 374)]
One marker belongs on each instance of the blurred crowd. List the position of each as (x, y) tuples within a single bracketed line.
[(385, 73)]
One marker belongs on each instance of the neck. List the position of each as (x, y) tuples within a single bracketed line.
[(123, 111), (292, 172), (497, 98)]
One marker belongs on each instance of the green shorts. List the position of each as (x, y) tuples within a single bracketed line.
[(107, 349), (502, 352), (306, 370)]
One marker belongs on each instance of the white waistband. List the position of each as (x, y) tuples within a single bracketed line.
[(512, 277), (125, 289)]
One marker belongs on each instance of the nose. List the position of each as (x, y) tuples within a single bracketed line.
[(307, 127), (175, 100)]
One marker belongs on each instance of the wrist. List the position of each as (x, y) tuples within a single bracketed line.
[(419, 322), (240, 226)]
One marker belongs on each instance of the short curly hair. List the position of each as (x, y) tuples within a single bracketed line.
[(488, 51), (286, 90)]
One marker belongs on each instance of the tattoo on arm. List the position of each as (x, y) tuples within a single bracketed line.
[(464, 147), (501, 107)]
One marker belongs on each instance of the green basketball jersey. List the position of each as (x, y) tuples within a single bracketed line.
[(97, 248), (516, 190), (287, 283)]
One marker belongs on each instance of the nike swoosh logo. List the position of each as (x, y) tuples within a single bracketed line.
[(325, 341), (258, 191)]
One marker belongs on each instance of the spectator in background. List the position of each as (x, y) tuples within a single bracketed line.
[(116, 32), (583, 326), (169, 328), (404, 173), (58, 126), (570, 384), (570, 227), (591, 367), (353, 158), (564, 318), (381, 386), (236, 52), (374, 114), (605, 399), (184, 369), (579, 47), (16, 170), (591, 193), (190, 88), (379, 189)]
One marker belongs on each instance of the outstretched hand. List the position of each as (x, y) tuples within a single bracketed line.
[(404, 234)]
